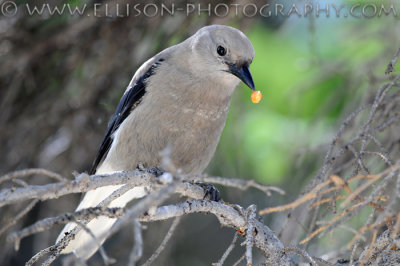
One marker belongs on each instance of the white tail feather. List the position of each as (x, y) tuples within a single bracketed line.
[(83, 245)]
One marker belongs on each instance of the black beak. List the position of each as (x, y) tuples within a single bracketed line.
[(243, 73)]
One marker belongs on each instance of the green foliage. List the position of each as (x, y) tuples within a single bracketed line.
[(304, 76)]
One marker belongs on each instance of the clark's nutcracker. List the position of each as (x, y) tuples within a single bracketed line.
[(179, 98)]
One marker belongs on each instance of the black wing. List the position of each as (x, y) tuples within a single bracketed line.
[(126, 105)]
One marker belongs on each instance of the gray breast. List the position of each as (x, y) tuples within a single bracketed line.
[(189, 121)]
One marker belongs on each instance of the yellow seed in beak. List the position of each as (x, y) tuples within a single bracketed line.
[(256, 96)]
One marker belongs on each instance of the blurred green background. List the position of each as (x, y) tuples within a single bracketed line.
[(309, 70), (61, 77)]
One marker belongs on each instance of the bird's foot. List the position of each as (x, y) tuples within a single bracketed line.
[(211, 192), (156, 171)]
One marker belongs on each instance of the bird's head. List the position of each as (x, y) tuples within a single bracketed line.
[(225, 54)]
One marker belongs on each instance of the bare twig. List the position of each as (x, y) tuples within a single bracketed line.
[(38, 255), (329, 159), (27, 209), (33, 171), (227, 251), (137, 250), (242, 184), (150, 201), (107, 260), (65, 218), (163, 244), (228, 216), (305, 198), (20, 182), (390, 66), (353, 252), (251, 210), (239, 260), (305, 255), (82, 183)]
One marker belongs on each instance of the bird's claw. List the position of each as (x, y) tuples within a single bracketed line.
[(156, 171), (211, 192)]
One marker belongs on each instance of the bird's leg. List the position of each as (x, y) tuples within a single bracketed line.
[(211, 192)]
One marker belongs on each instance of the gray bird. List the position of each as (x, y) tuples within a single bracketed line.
[(180, 99)]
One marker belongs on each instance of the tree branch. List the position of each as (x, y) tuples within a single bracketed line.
[(228, 216)]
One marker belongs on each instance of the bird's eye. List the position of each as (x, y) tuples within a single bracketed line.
[(221, 50)]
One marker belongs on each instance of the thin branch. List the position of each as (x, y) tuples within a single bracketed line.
[(107, 260), (143, 205), (164, 243), (305, 198), (32, 171), (380, 155), (20, 182), (228, 216), (329, 159), (242, 184), (359, 160), (353, 252), (384, 152), (38, 255), (303, 254), (137, 250), (227, 251), (250, 233), (82, 183), (65, 218), (390, 66), (239, 260), (19, 216)]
